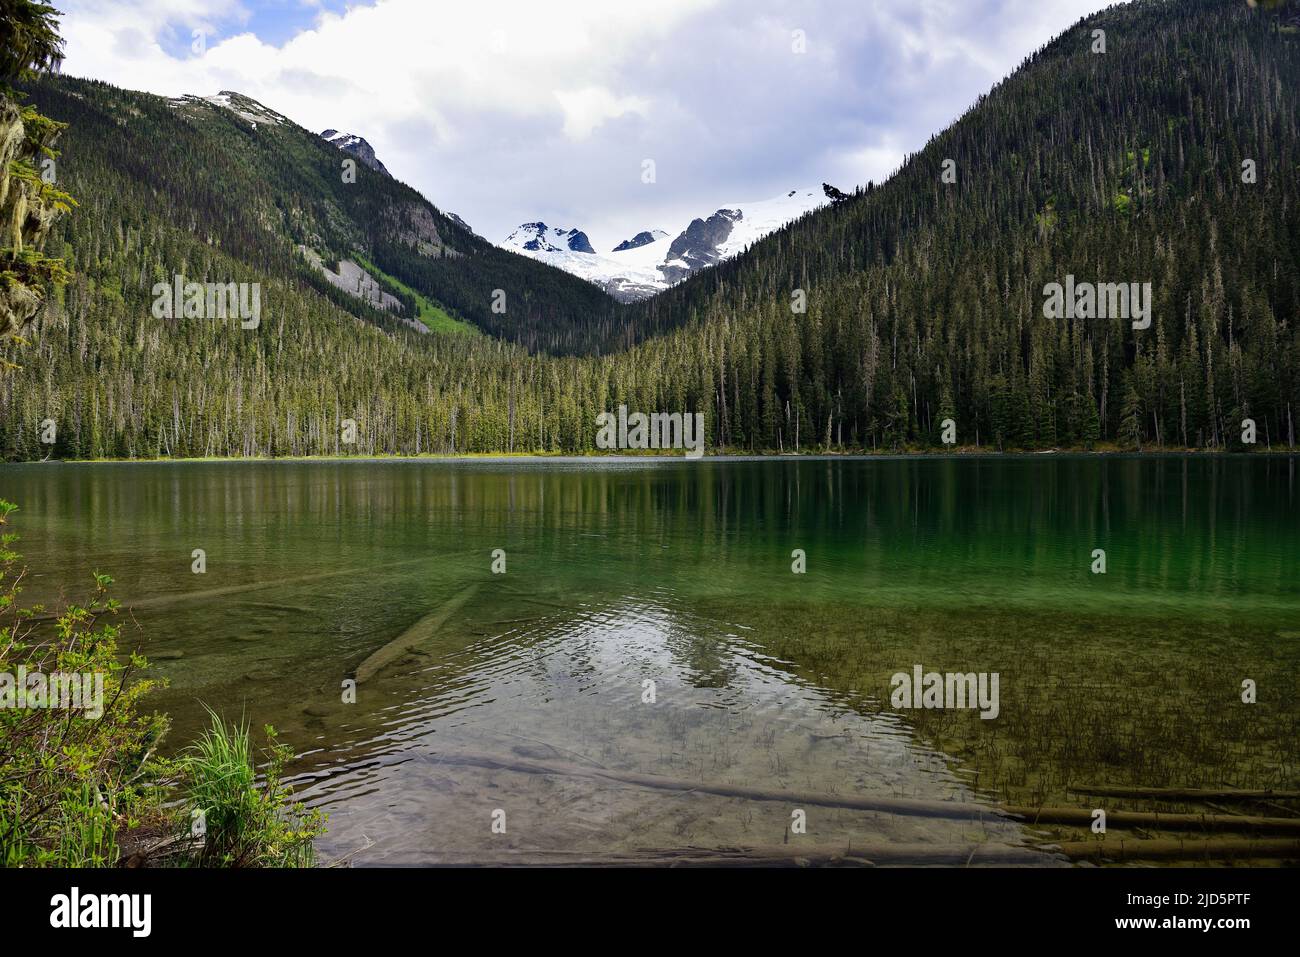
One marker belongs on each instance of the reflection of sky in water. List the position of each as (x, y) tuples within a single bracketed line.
[(570, 691)]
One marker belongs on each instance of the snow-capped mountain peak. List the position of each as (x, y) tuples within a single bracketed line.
[(540, 238), (651, 261), (639, 240)]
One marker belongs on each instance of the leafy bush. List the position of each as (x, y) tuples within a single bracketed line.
[(72, 781), (68, 780)]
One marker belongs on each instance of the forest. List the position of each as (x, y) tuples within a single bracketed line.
[(1169, 159)]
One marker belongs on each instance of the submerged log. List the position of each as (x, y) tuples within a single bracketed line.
[(275, 606), (1082, 817), (417, 635), (1187, 794), (180, 598), (1079, 817), (774, 855), (1162, 849), (904, 806)]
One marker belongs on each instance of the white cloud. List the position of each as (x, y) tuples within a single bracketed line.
[(511, 110), (587, 108)]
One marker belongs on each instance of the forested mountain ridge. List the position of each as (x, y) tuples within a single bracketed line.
[(247, 181), (924, 298)]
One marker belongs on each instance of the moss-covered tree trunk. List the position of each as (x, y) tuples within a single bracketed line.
[(29, 205)]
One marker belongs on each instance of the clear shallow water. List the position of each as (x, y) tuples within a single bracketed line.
[(677, 572)]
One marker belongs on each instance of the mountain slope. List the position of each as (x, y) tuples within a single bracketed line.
[(925, 299), (249, 181)]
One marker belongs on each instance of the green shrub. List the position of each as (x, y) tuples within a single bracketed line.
[(246, 825), (70, 780)]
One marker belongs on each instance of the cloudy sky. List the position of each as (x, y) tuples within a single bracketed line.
[(506, 111)]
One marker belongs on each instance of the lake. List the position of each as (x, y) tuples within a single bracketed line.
[(617, 660)]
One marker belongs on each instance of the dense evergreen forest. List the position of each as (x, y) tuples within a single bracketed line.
[(924, 297)]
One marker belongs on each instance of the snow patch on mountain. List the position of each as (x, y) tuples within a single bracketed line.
[(245, 107), (766, 216)]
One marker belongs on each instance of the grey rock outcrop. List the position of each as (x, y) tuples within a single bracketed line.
[(357, 146), (698, 245)]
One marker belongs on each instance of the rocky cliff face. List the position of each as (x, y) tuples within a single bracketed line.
[(414, 225), (27, 211), (358, 147), (699, 244), (640, 239)]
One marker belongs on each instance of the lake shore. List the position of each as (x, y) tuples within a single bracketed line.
[(624, 456)]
